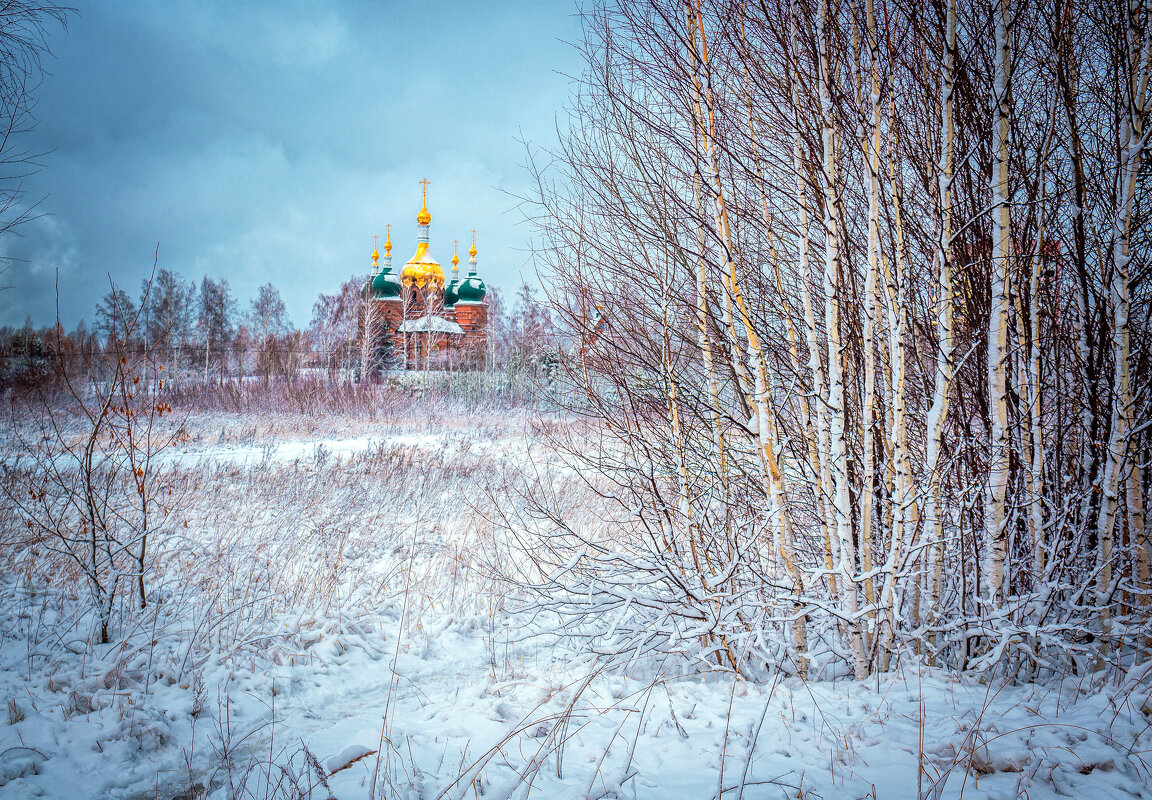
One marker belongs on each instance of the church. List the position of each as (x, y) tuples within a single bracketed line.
[(415, 320)]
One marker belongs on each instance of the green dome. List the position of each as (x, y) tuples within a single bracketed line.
[(385, 284), (471, 289), (450, 295)]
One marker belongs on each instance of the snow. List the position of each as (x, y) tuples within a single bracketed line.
[(347, 757), (430, 324), (329, 622), (301, 450)]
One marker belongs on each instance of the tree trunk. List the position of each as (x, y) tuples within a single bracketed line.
[(942, 389), (1139, 57), (838, 410), (995, 544)]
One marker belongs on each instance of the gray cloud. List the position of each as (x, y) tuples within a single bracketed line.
[(271, 140)]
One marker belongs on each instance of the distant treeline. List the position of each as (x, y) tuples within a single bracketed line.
[(202, 331)]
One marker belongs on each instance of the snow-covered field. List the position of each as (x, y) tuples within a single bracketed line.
[(329, 619)]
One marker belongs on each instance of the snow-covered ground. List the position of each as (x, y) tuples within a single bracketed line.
[(328, 620)]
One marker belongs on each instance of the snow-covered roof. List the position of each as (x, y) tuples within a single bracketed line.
[(430, 324)]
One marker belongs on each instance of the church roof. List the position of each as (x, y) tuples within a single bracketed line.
[(422, 269), (430, 324)]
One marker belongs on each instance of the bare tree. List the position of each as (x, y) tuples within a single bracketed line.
[(92, 490), (216, 320), (866, 270), (168, 315), (24, 28), (334, 325), (269, 318)]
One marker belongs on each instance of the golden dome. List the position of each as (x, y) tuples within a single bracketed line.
[(388, 242), (422, 270), (424, 218), (455, 258), (375, 252), (472, 251)]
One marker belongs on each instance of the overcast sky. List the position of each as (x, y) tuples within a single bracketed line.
[(268, 141)]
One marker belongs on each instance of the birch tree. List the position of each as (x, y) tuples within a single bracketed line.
[(890, 305)]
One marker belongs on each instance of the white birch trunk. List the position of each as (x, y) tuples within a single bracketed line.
[(818, 423), (942, 388), (1139, 53), (766, 427), (766, 424), (903, 502), (870, 309), (366, 340), (994, 547), (837, 428)]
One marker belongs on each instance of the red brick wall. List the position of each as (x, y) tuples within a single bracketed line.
[(391, 314), (473, 318), (469, 349), (423, 301)]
